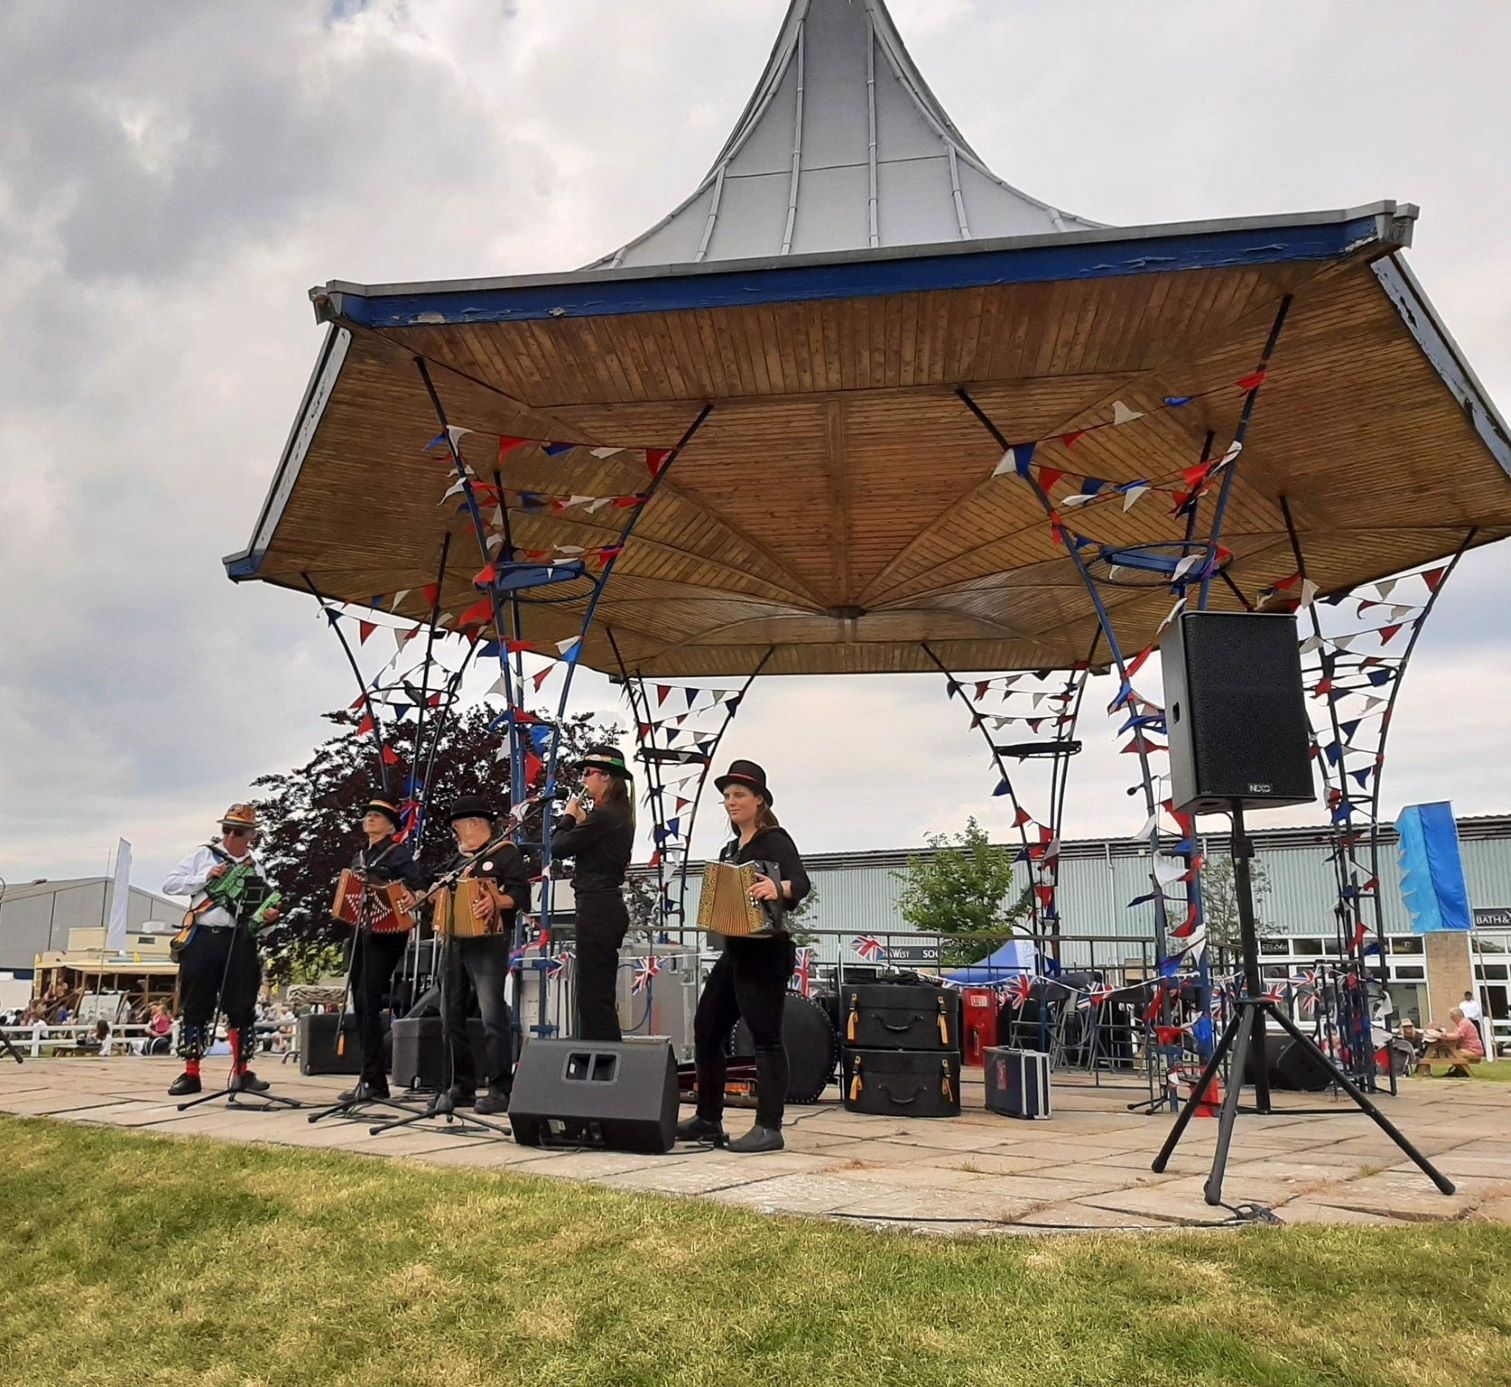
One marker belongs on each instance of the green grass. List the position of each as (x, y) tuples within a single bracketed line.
[(139, 1260)]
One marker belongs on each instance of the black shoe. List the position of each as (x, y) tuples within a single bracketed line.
[(248, 1082), (758, 1139), (185, 1083), (367, 1090), (461, 1097), (701, 1129), (496, 1100)]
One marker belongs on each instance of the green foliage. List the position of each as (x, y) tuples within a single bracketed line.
[(312, 819), (965, 892), (1219, 895)]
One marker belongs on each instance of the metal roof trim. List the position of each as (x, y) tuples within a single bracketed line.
[(1025, 259)]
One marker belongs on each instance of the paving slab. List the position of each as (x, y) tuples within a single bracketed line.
[(1088, 1165)]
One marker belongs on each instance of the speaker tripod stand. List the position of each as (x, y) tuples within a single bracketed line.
[(1244, 1037)]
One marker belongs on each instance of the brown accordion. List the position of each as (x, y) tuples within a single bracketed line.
[(453, 911), (384, 913), (725, 906)]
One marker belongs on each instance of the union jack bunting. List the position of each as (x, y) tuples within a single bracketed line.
[(802, 975), (1020, 990), (869, 948), (649, 967), (558, 966)]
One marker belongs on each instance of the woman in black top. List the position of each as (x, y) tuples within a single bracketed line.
[(601, 842), (750, 979), (381, 860)]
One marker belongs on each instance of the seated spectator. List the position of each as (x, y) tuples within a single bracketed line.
[(1458, 1043)]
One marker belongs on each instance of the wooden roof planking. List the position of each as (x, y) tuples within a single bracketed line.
[(837, 504)]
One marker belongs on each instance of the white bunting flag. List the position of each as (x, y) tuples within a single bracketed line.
[(1134, 494), (1122, 414)]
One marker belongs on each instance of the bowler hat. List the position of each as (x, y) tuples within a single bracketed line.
[(745, 773)]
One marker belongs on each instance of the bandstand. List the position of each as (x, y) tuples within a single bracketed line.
[(859, 406)]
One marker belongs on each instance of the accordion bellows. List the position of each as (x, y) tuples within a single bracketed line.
[(725, 906)]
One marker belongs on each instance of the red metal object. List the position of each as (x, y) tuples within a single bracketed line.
[(982, 1008)]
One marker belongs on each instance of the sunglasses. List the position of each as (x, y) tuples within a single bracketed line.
[(240, 832)]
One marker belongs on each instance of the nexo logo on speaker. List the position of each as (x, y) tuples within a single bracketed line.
[(1258, 789)]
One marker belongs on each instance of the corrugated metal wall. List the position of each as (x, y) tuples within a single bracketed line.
[(858, 893)]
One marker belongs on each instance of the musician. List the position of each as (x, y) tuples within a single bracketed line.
[(219, 968), (483, 961), (601, 839), (750, 979), (382, 860)]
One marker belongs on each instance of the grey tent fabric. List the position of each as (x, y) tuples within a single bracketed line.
[(842, 146)]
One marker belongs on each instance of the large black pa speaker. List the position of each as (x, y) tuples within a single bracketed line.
[(621, 1097), (316, 1035), (1235, 711), (419, 1052)]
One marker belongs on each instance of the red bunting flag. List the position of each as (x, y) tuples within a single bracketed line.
[(357, 702), (507, 444), (484, 576), (390, 756), (1022, 817), (432, 594), (1252, 382), (365, 726), (366, 628), (629, 502), (1187, 927), (480, 611), (434, 700), (541, 677), (514, 647), (1389, 633), (1046, 895), (1048, 476), (655, 460), (1073, 437), (1138, 661), (1434, 577)]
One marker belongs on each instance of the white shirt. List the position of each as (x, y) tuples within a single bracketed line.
[(190, 876), (1471, 1009)]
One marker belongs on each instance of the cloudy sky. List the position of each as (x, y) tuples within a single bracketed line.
[(174, 176)]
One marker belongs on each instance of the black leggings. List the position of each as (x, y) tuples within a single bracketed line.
[(750, 981), (374, 958), (602, 923)]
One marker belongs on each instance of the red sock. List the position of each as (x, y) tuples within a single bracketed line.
[(239, 1060), (191, 1068)]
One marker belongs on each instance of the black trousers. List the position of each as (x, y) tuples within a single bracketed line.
[(602, 923), (211, 956), (750, 981), (374, 957), (479, 966)]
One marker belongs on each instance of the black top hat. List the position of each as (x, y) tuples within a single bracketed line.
[(389, 810), (745, 773), (608, 759), (471, 807)]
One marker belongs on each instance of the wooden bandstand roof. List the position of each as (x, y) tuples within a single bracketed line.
[(837, 505)]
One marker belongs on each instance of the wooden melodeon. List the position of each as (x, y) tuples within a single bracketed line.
[(725, 907), (453, 916), (385, 914)]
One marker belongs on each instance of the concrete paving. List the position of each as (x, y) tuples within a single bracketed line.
[(1087, 1167)]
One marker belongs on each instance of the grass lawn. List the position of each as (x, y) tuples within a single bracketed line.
[(136, 1260)]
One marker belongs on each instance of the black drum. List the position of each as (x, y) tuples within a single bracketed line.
[(811, 1043)]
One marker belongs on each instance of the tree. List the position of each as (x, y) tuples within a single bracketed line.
[(961, 892), (312, 819), (1219, 897)]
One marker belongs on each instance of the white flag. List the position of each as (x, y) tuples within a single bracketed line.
[(120, 898)]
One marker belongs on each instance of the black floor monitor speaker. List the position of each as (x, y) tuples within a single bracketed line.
[(315, 1034), (419, 1053), (1235, 711), (621, 1097)]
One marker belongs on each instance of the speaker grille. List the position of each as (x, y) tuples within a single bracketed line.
[(1236, 712)]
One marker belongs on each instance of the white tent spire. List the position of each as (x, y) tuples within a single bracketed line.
[(842, 146)]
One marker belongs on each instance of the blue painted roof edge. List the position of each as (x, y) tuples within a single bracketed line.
[(1075, 255)]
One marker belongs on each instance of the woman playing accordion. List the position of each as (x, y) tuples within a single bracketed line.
[(750, 979)]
